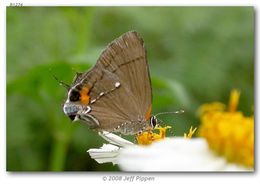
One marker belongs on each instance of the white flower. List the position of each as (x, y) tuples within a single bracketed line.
[(170, 154), (108, 152), (173, 154)]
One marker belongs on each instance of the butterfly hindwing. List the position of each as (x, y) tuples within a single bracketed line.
[(119, 86)]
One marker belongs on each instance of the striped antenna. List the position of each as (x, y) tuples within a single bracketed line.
[(174, 112), (61, 82)]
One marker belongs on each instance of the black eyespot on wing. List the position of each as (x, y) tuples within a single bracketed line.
[(154, 121), (74, 95)]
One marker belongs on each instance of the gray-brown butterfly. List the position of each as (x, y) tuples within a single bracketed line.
[(115, 95)]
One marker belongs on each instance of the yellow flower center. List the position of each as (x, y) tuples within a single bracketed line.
[(148, 137), (229, 133), (190, 134), (211, 107), (234, 99)]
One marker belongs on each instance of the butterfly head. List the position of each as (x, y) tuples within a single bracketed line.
[(77, 99)]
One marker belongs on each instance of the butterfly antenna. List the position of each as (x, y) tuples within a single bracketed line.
[(159, 121), (175, 112), (61, 82), (162, 113)]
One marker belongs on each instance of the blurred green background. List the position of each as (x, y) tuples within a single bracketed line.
[(196, 55)]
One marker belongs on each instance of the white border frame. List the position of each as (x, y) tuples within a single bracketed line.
[(87, 178)]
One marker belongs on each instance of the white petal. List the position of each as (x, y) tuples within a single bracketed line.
[(114, 139), (171, 154), (107, 153)]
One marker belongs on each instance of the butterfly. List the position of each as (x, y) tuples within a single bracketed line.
[(115, 95)]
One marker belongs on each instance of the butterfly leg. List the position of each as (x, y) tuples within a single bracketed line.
[(88, 118)]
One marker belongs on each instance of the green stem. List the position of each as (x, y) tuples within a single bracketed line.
[(58, 155), (61, 139)]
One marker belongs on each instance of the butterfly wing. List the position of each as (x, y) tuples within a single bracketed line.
[(119, 86)]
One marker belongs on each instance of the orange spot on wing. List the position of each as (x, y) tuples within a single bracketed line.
[(84, 97), (148, 113)]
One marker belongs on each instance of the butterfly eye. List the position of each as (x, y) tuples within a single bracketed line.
[(154, 121), (74, 95)]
